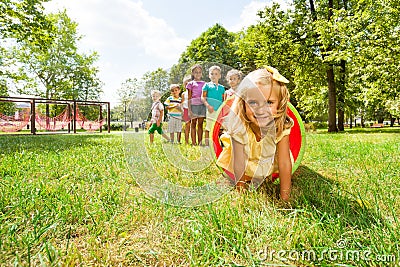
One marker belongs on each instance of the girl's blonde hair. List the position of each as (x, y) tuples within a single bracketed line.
[(265, 77), (155, 92), (234, 72)]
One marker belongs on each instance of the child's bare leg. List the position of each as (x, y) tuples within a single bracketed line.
[(200, 130), (207, 136), (151, 138), (178, 137), (165, 136), (171, 137), (187, 130), (193, 131)]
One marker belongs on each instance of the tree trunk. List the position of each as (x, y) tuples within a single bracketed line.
[(351, 121), (329, 71), (392, 120), (341, 93), (331, 100)]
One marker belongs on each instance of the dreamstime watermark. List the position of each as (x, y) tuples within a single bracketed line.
[(337, 255)]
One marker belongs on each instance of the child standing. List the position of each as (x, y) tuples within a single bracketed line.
[(213, 96), (256, 143), (173, 105), (185, 106), (157, 115), (197, 110), (233, 77)]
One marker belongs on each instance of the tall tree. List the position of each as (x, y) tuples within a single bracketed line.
[(214, 45), (58, 70), (155, 80), (127, 95)]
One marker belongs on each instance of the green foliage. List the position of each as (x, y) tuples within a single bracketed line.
[(53, 69), (214, 45), (358, 40), (24, 20), (393, 107), (6, 108)]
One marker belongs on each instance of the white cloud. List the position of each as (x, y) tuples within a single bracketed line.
[(122, 24), (249, 13), (128, 39)]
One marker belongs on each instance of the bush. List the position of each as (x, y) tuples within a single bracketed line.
[(320, 125), (113, 127)]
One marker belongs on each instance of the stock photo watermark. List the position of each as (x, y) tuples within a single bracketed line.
[(339, 254)]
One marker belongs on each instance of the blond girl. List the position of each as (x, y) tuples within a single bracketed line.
[(256, 141)]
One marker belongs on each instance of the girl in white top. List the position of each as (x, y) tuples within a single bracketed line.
[(185, 105)]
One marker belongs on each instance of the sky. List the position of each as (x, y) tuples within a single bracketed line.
[(133, 37)]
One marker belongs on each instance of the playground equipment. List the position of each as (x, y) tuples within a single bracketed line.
[(68, 119)]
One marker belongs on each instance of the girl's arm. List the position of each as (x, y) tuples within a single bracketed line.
[(189, 102), (239, 162), (204, 100), (285, 167), (160, 118)]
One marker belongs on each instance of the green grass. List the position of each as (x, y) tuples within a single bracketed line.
[(74, 200)]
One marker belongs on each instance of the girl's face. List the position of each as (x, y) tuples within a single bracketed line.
[(175, 92), (261, 104), (155, 97), (215, 75), (197, 73), (233, 81)]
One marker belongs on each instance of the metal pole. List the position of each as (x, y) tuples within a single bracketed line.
[(125, 115), (33, 117), (108, 116), (101, 118), (69, 117), (74, 118)]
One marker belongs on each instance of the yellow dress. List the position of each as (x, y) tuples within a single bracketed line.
[(261, 155)]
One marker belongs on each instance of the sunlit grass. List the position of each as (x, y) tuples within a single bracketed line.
[(72, 200)]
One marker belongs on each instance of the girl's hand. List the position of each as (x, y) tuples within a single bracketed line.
[(190, 113), (285, 194), (158, 123), (210, 109)]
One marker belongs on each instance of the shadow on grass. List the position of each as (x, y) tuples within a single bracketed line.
[(328, 200), (48, 142)]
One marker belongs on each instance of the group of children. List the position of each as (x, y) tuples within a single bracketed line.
[(256, 128), (200, 101)]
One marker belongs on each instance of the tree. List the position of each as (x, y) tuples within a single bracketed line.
[(374, 48), (127, 94), (214, 45), (58, 71), (24, 20), (155, 80)]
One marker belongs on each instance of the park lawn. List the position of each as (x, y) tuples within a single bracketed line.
[(73, 200)]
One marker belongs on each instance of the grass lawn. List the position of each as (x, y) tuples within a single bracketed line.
[(73, 200)]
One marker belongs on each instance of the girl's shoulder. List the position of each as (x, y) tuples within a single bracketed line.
[(284, 133), (159, 105)]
